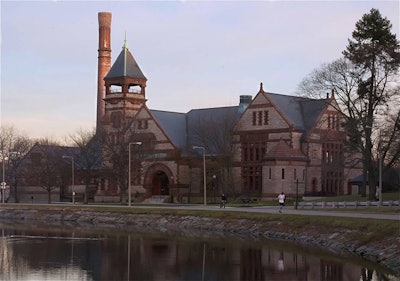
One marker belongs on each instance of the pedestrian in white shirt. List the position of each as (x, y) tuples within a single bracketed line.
[(281, 200)]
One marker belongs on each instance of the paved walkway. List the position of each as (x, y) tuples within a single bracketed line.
[(286, 210), (261, 209)]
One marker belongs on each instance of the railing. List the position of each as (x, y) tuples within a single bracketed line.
[(131, 91), (355, 204)]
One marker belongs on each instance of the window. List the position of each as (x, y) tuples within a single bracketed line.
[(245, 152), (329, 121), (332, 168), (283, 173), (143, 124), (260, 118), (269, 174), (266, 117), (295, 174), (333, 122), (253, 149)]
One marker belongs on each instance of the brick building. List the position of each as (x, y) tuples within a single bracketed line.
[(265, 145), (262, 146)]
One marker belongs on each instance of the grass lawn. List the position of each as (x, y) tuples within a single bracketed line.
[(394, 196)]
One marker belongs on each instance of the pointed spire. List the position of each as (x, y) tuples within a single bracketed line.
[(261, 88), (125, 49), (125, 46), (125, 65)]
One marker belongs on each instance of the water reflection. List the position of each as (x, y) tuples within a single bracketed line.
[(61, 254)]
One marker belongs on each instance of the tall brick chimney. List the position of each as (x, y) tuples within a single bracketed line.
[(104, 63)]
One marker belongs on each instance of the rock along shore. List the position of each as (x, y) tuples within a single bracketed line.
[(346, 241)]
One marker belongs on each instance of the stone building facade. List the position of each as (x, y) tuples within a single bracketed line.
[(274, 142), (265, 145)]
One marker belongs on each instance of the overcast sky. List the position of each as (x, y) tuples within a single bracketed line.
[(195, 54)]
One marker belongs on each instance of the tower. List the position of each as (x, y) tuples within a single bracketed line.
[(104, 64), (125, 86)]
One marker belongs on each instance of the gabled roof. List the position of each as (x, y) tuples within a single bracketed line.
[(311, 109), (219, 119), (301, 112), (182, 128), (64, 152), (55, 150), (174, 124), (125, 66)]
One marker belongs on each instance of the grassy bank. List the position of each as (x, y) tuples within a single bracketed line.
[(381, 229)]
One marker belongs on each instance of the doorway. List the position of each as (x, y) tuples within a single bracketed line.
[(160, 183)]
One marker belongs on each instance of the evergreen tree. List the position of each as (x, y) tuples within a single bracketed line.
[(374, 51)]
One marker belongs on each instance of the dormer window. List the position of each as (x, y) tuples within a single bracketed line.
[(260, 117), (143, 124)]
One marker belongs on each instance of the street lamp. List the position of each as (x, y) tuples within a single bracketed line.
[(3, 183), (380, 169), (204, 172), (129, 170), (214, 186), (4, 158), (72, 170)]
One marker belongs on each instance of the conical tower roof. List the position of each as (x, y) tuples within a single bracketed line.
[(125, 66)]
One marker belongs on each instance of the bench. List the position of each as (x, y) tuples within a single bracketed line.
[(248, 200)]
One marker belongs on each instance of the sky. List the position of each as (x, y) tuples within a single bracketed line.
[(195, 54)]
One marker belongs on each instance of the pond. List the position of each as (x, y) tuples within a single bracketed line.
[(73, 252)]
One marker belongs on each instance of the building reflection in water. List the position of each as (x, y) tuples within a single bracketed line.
[(58, 255)]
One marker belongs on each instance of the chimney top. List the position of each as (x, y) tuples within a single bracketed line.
[(105, 19)]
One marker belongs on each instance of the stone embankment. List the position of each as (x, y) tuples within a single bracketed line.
[(338, 240)]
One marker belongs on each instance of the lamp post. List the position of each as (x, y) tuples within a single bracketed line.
[(129, 169), (214, 186), (72, 172), (380, 170), (204, 172), (3, 183)]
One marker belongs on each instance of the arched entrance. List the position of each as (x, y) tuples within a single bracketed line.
[(160, 184), (158, 180)]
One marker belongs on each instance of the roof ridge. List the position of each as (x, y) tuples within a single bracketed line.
[(217, 107)]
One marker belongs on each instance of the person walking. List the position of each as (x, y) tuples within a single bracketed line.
[(223, 201), (281, 200)]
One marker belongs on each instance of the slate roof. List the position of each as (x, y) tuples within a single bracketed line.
[(301, 112), (311, 109), (221, 117), (174, 124), (181, 127), (125, 66), (57, 151)]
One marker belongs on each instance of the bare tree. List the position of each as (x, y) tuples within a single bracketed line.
[(14, 147), (214, 132), (115, 144), (45, 167), (89, 159)]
